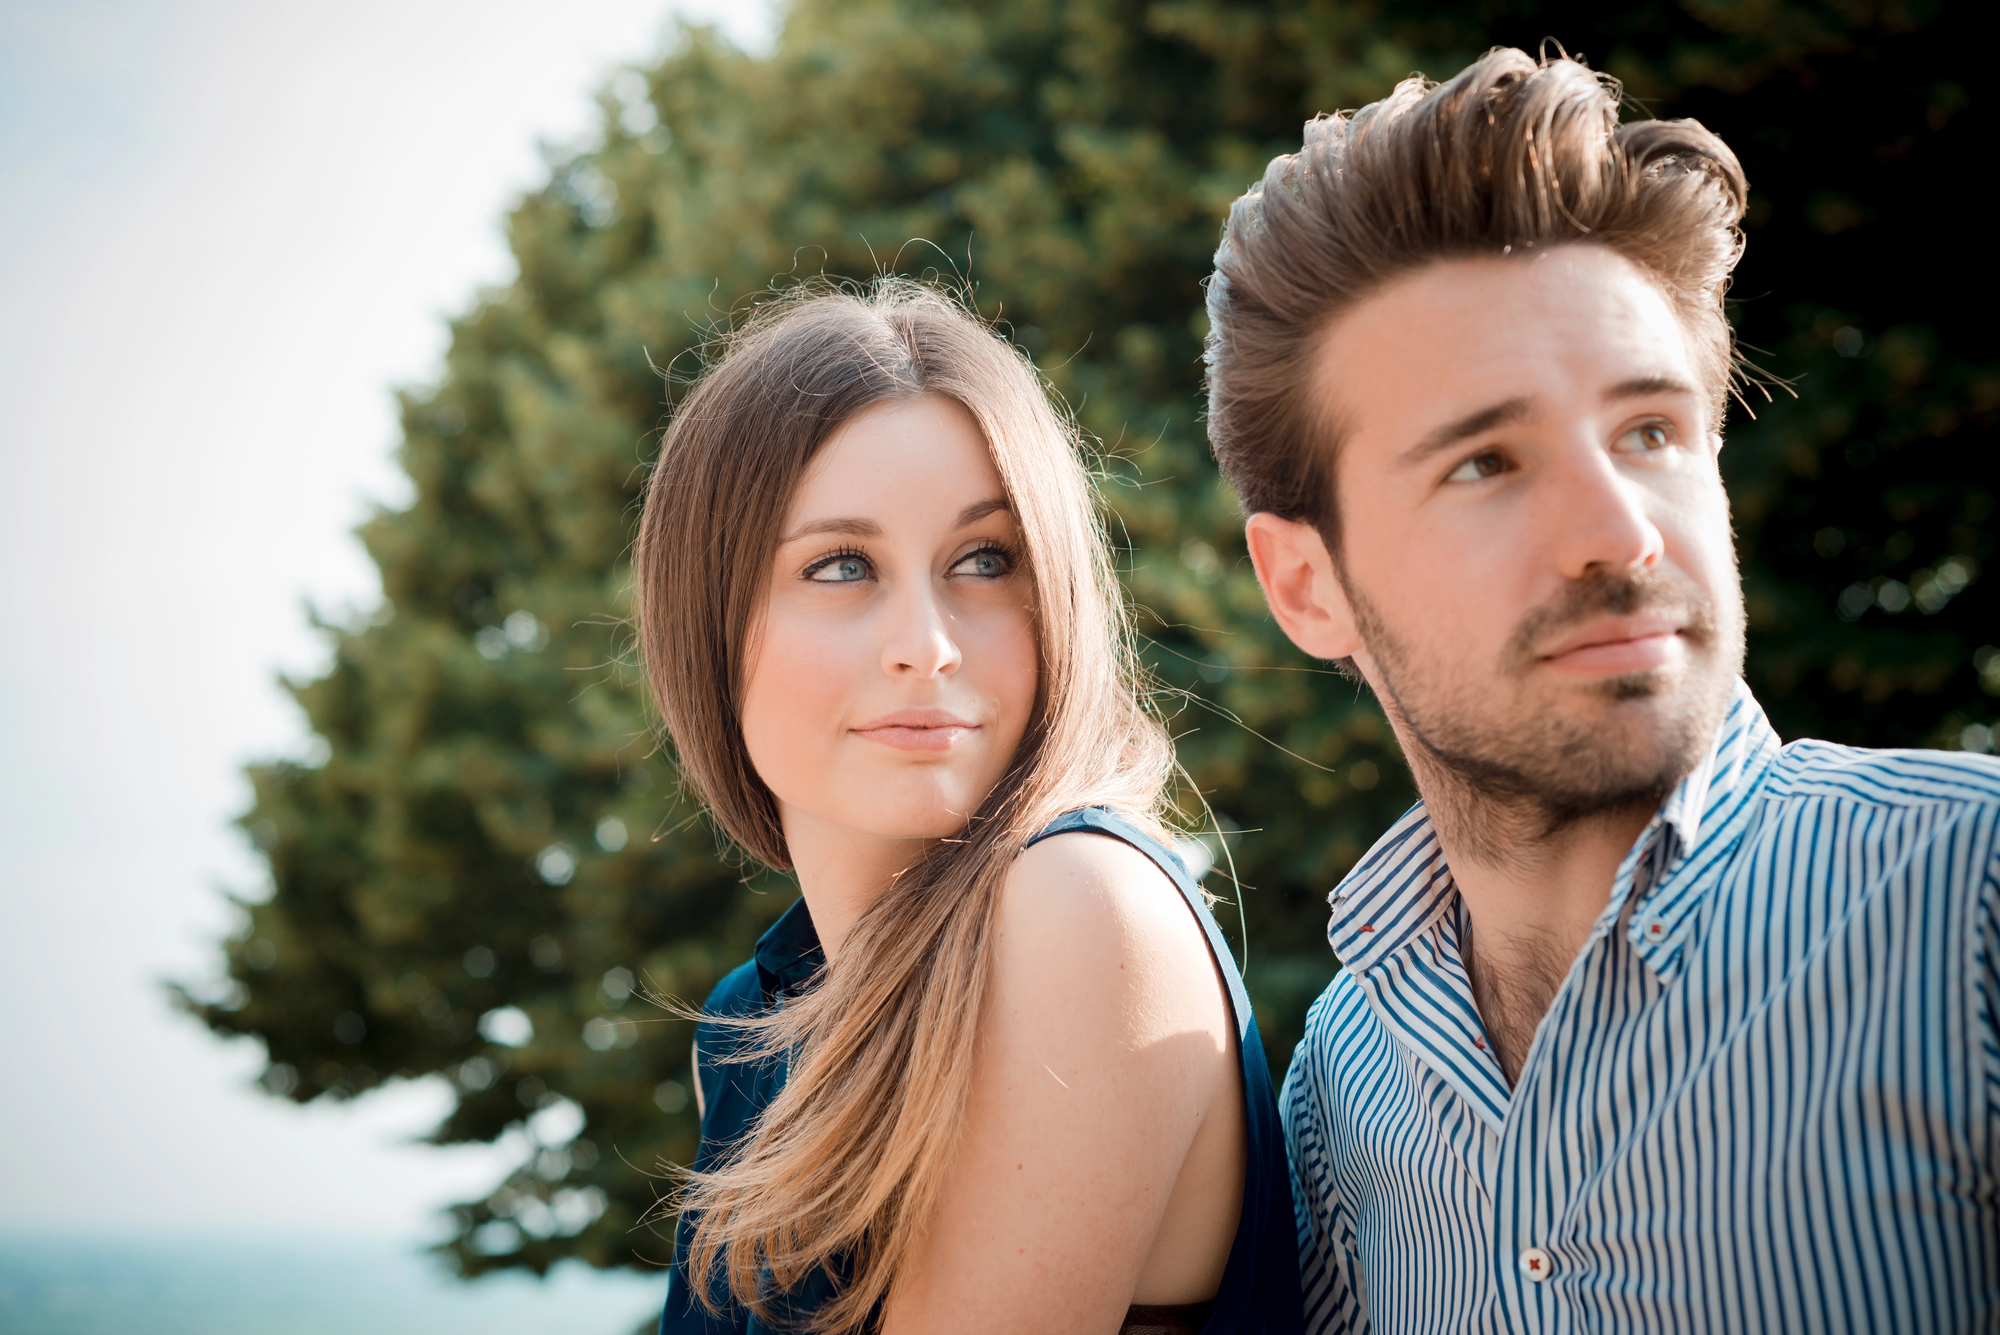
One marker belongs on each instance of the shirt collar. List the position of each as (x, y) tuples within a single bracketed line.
[(1395, 894), (1690, 842), (788, 954), (1402, 887)]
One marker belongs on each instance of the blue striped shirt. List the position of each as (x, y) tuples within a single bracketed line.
[(1766, 1096)]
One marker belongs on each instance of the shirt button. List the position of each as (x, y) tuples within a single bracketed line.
[(1535, 1264)]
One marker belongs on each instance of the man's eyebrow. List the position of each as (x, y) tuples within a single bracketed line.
[(1641, 386), (1448, 435), (978, 510), (852, 528)]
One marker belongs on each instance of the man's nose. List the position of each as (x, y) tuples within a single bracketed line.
[(918, 635), (1598, 518)]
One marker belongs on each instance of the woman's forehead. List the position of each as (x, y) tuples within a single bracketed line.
[(921, 459)]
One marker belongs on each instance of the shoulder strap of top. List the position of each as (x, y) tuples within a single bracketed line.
[(1103, 820)]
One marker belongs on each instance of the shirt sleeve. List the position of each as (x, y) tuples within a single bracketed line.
[(1986, 978), (1327, 1270)]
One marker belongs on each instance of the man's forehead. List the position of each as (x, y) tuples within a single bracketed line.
[(1512, 337)]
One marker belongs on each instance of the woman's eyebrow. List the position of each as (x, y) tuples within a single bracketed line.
[(978, 510), (850, 528)]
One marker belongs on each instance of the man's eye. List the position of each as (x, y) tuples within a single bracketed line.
[(839, 570), (1644, 439), (986, 563), (1490, 464)]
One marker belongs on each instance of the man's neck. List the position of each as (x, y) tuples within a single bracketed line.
[(1532, 894)]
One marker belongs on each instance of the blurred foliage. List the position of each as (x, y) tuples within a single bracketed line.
[(490, 825)]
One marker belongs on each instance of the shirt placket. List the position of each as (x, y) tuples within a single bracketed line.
[(1545, 1155), (1421, 995)]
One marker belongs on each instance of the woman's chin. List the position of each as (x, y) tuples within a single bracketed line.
[(920, 827), (918, 819)]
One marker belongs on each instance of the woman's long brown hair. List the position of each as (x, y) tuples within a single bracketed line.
[(846, 1165)]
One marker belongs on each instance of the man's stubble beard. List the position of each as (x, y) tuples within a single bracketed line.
[(1500, 776)]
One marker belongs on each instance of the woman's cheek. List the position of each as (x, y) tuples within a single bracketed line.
[(1013, 669), (792, 708)]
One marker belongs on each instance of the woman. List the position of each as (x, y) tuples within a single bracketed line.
[(991, 1071)]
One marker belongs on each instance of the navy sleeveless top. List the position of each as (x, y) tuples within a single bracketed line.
[(1260, 1285)]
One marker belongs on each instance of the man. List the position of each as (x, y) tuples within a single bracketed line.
[(1646, 1022)]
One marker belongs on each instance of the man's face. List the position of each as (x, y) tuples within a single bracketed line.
[(1535, 571)]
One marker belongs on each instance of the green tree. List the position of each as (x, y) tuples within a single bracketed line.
[(492, 826)]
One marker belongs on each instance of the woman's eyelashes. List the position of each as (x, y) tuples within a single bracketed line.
[(988, 560), (845, 566)]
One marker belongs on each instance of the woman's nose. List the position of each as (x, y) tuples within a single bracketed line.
[(918, 638)]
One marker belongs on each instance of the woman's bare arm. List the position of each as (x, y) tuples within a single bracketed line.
[(1106, 1043)]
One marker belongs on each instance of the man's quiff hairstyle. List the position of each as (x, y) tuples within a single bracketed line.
[(1513, 156)]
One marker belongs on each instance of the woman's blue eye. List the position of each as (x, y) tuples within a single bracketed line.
[(987, 563), (840, 570)]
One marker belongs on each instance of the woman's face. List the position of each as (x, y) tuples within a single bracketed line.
[(894, 665)]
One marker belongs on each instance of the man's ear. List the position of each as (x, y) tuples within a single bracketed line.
[(1296, 572)]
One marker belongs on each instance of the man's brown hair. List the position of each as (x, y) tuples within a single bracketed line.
[(1511, 157)]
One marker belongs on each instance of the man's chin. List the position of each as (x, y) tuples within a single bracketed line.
[(1635, 713), (1632, 732), (1647, 685), (1593, 700)]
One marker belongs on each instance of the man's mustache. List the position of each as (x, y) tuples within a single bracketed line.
[(1664, 594)]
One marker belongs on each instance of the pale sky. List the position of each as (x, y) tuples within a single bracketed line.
[(227, 230)]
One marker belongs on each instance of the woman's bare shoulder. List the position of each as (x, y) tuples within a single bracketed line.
[(1090, 916), (1082, 878)]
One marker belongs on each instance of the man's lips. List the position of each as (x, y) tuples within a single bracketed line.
[(1615, 645), (917, 730)]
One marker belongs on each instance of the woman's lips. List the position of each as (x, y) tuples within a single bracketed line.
[(918, 730)]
